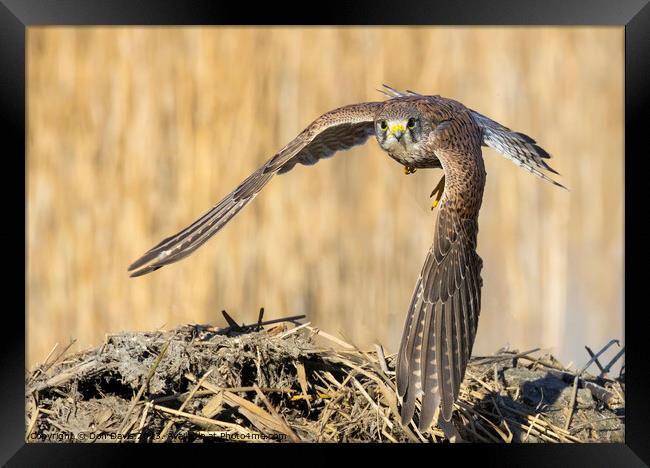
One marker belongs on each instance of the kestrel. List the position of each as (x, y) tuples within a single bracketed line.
[(418, 132)]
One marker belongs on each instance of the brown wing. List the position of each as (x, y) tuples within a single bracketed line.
[(516, 146), (442, 320), (336, 130)]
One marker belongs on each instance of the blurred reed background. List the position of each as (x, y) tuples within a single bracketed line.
[(134, 132)]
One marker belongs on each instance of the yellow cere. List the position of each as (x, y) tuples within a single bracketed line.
[(397, 128)]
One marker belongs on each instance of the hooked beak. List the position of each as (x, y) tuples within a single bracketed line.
[(397, 130)]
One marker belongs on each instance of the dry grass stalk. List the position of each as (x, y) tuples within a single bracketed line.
[(261, 385), (168, 426), (143, 387)]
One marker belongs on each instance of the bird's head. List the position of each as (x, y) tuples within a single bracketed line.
[(399, 129)]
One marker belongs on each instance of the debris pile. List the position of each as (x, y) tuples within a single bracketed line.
[(282, 380)]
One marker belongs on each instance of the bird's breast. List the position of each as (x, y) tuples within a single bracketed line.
[(416, 160)]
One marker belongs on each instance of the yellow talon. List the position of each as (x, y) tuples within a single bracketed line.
[(438, 192), (409, 170)]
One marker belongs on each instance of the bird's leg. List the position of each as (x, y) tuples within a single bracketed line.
[(409, 169), (438, 191)]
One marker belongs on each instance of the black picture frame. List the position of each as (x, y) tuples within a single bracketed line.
[(17, 15)]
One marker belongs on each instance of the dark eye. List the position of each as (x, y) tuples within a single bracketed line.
[(383, 125), (411, 123)]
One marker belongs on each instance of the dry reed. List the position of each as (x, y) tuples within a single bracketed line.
[(269, 383)]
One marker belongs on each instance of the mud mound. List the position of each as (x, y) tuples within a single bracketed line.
[(281, 382)]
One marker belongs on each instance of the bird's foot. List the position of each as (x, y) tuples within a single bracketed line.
[(409, 169), (438, 191)]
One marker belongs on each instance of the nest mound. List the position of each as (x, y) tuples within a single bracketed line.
[(282, 383)]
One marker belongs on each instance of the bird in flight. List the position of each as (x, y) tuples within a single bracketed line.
[(418, 132)]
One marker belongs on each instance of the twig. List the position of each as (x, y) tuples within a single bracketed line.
[(356, 383), (593, 356), (612, 362), (143, 419), (47, 358), (382, 360), (289, 431), (163, 434), (32, 423), (260, 317), (574, 392), (292, 331), (501, 357), (572, 403), (332, 338), (63, 377), (234, 326), (60, 355), (201, 419), (144, 385)]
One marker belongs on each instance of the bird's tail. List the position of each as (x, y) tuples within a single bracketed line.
[(515, 146)]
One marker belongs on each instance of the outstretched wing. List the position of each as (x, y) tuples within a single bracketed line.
[(334, 131), (442, 320), (515, 146)]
